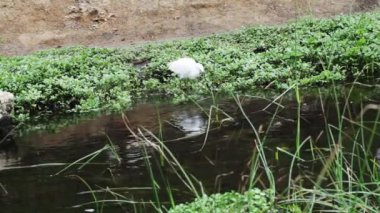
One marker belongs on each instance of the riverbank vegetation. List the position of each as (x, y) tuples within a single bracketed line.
[(307, 52)]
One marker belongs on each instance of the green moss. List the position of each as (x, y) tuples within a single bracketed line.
[(253, 201), (308, 52)]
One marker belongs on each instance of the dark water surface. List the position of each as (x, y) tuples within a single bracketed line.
[(27, 183)]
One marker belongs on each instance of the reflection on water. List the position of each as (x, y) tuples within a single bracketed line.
[(8, 157), (221, 165), (191, 123)]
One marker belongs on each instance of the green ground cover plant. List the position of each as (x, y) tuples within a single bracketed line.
[(253, 200), (307, 52)]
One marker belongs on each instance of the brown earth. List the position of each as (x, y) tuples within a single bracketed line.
[(26, 26)]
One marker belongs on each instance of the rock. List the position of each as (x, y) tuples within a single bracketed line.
[(6, 124), (6, 103)]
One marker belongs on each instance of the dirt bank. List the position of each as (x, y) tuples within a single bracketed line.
[(27, 26)]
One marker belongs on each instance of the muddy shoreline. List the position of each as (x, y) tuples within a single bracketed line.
[(41, 24)]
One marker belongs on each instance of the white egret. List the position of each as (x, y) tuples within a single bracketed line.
[(186, 68)]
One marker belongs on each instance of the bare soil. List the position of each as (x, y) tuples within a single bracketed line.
[(26, 26)]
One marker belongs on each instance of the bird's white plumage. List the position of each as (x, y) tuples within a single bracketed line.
[(186, 68)]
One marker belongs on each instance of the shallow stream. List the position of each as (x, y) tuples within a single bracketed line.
[(27, 167)]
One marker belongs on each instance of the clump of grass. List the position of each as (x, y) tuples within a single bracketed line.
[(348, 180), (307, 52)]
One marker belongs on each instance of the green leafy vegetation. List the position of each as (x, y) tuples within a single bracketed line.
[(307, 52), (252, 200)]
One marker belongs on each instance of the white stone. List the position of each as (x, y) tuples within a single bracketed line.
[(6, 102)]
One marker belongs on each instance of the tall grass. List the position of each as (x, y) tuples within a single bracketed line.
[(349, 177)]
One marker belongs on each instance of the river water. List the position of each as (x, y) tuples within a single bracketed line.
[(27, 167)]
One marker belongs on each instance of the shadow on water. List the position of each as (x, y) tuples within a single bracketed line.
[(222, 165)]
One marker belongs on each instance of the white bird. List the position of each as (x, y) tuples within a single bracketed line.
[(186, 68)]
